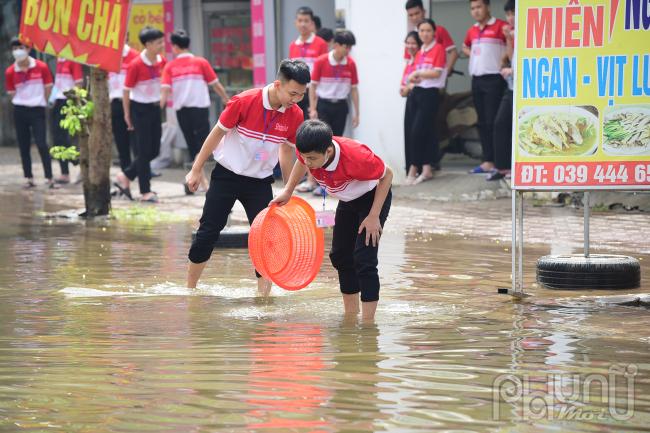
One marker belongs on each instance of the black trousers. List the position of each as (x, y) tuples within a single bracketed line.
[(195, 125), (148, 131), (334, 114), (30, 123), (124, 139), (304, 105), (503, 133), (408, 127), (355, 261), (423, 136), (487, 91), (227, 187)]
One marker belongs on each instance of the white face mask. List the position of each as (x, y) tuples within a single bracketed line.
[(19, 54)]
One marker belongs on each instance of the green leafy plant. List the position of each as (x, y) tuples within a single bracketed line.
[(77, 111), (63, 153)]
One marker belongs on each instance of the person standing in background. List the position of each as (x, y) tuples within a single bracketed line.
[(124, 139), (187, 77), (412, 44), (68, 75), (485, 44), (503, 119), (29, 82), (416, 14)]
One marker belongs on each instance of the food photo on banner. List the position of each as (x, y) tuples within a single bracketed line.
[(85, 31), (582, 96)]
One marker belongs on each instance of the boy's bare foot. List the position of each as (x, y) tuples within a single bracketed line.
[(263, 287)]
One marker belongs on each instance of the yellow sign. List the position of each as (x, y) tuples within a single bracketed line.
[(582, 95)]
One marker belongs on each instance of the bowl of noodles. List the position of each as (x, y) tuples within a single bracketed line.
[(626, 131), (558, 131)]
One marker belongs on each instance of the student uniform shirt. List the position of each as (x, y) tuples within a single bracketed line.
[(431, 58), (116, 79), (143, 79), (68, 74), (189, 77), (354, 171), (309, 50), (408, 70), (28, 86), (487, 47), (335, 80), (254, 133), (442, 37)]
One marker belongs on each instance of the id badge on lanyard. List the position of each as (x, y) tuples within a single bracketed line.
[(325, 218), (262, 154)]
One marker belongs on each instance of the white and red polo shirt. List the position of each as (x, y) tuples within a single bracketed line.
[(28, 85), (354, 171), (335, 79), (442, 37), (309, 50), (143, 79), (408, 69), (254, 133), (432, 58), (116, 79), (68, 74), (487, 47), (189, 77)]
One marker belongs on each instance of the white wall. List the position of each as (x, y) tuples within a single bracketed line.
[(378, 55)]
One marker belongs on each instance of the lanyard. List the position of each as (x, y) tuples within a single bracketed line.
[(268, 125), (303, 49), (337, 71)]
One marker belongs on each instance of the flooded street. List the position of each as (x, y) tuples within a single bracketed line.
[(98, 334)]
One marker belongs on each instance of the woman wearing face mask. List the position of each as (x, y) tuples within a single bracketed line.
[(412, 44), (29, 83), (428, 78)]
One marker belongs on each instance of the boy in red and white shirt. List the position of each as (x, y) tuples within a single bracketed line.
[(308, 47), (351, 172), (123, 137), (29, 82), (68, 75), (141, 102), (416, 14), (256, 129), (485, 44), (187, 77), (334, 79)]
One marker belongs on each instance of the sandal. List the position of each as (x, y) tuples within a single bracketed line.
[(422, 178), (123, 190), (29, 184), (53, 185), (152, 199), (410, 180), (62, 181), (306, 187)]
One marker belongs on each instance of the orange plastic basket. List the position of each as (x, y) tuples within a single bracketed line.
[(285, 245)]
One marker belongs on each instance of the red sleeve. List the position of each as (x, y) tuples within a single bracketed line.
[(317, 70), (355, 77), (131, 75), (444, 38), (10, 85), (365, 165), (166, 76), (77, 72), (468, 39), (230, 115), (47, 75), (208, 73), (439, 58), (300, 158)]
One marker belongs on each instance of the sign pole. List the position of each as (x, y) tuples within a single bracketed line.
[(520, 283), (513, 248), (586, 223)]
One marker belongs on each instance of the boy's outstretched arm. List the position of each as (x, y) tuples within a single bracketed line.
[(297, 173), (371, 223), (194, 177)]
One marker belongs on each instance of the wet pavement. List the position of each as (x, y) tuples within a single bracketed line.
[(98, 333)]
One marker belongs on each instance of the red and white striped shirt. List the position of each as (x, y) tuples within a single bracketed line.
[(432, 58), (28, 86), (254, 133), (354, 171), (487, 47), (335, 79), (68, 74), (189, 77), (309, 50), (143, 79), (115, 79)]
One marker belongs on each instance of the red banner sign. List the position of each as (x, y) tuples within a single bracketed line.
[(86, 31)]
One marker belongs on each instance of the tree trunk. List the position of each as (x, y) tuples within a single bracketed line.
[(97, 185)]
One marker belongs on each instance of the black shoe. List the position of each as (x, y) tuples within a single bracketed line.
[(495, 175)]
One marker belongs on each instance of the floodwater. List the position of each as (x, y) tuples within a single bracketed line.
[(98, 334)]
